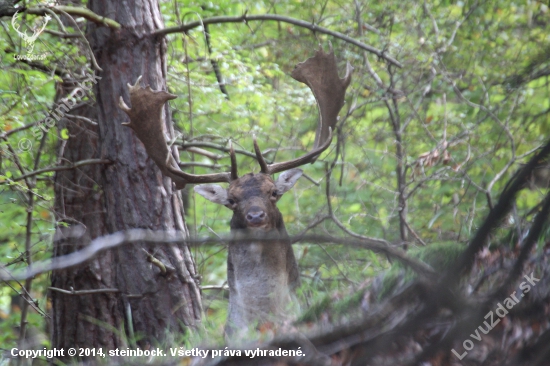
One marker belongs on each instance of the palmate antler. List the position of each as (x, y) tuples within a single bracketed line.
[(319, 73), (146, 121)]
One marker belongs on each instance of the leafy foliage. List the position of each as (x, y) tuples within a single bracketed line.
[(442, 134)]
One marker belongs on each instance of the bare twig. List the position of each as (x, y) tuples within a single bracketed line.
[(61, 168), (202, 165), (496, 214), (225, 288), (78, 11), (414, 234), (27, 297), (92, 57), (187, 145), (87, 120), (63, 35), (85, 292), (206, 153), (164, 268), (28, 280), (5, 134), (278, 18)]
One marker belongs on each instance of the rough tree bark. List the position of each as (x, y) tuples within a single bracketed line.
[(129, 193)]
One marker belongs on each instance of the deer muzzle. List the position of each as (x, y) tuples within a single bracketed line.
[(255, 217)]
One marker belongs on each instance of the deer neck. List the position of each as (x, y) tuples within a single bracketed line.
[(258, 276)]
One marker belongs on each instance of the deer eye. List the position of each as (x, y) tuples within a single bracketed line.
[(231, 201), (274, 194)]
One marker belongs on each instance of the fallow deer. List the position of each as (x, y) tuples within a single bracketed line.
[(261, 273)]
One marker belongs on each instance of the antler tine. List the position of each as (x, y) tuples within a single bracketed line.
[(225, 177), (189, 178), (302, 160), (234, 175), (263, 165)]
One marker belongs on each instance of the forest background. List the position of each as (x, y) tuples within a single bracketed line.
[(424, 146)]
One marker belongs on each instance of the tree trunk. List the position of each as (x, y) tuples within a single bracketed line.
[(129, 193)]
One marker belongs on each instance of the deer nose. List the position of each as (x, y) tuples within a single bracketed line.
[(255, 216)]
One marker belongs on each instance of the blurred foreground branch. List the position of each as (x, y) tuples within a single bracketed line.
[(170, 237)]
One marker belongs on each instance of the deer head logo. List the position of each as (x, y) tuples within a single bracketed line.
[(29, 40)]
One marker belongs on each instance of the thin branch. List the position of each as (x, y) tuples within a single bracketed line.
[(494, 217), (338, 223), (92, 57), (87, 120), (59, 71), (27, 297), (414, 233), (434, 23), (28, 281), (28, 245), (278, 18), (4, 135), (158, 263), (400, 155), (63, 35), (85, 292), (187, 145), (225, 288), (311, 179), (61, 168), (78, 11), (19, 166), (206, 153), (214, 63), (202, 165), (314, 223), (336, 265), (59, 22)]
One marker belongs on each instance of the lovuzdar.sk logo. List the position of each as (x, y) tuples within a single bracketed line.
[(28, 40)]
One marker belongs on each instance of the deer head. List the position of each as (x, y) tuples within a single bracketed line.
[(260, 274), (29, 40)]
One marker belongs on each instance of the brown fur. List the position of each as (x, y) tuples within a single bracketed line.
[(261, 275)]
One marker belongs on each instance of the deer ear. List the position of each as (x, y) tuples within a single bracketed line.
[(287, 179), (213, 193)]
